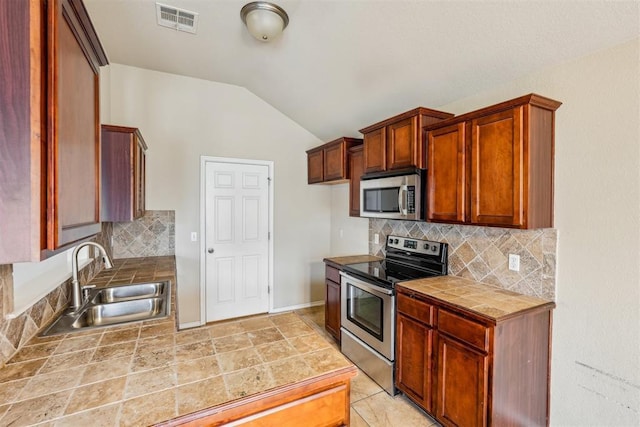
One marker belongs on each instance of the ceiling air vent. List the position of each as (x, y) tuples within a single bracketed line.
[(178, 19)]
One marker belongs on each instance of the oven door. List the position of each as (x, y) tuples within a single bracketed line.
[(367, 311)]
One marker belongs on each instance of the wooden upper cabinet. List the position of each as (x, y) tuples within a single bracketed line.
[(446, 174), (396, 143), (498, 177), (375, 150), (356, 166), (329, 162), (504, 161), (123, 173), (50, 139), (315, 166)]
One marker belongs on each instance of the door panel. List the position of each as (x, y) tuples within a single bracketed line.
[(236, 239)]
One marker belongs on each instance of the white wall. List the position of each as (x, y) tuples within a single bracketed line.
[(595, 373), (182, 118), (349, 235)]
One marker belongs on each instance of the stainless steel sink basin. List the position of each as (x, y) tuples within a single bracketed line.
[(130, 292), (116, 305), (119, 312)]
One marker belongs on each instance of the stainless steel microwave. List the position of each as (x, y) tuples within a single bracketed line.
[(393, 195)]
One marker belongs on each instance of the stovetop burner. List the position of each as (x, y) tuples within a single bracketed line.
[(406, 259)]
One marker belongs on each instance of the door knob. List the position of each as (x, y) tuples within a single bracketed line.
[(210, 250)]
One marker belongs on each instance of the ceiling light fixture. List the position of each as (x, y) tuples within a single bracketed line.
[(264, 20)]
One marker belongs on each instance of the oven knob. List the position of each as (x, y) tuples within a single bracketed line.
[(426, 246), (396, 241), (433, 248)]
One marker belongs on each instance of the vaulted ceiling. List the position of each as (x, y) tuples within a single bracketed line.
[(342, 65)]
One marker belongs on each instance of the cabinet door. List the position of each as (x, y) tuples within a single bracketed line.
[(413, 360), (375, 152), (315, 167), (74, 129), (497, 175), (461, 389), (402, 144), (139, 179), (446, 177), (332, 309), (335, 162), (356, 164)]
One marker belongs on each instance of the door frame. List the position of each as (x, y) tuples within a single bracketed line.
[(202, 247)]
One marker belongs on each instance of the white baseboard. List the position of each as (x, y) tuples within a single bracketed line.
[(297, 307), (189, 325)]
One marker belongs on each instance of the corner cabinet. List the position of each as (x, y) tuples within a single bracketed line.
[(396, 143), (50, 136), (494, 166), (329, 163), (123, 173), (332, 301), (468, 370)]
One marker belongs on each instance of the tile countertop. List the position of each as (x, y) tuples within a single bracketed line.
[(491, 302), (147, 372), (353, 259)]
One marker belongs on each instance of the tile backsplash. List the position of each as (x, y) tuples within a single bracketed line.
[(151, 235), (14, 333), (482, 253)]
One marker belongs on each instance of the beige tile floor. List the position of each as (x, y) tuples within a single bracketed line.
[(371, 406)]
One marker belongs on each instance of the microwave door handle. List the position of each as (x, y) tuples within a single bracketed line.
[(402, 196)]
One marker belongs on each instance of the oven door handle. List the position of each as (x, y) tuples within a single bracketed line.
[(367, 286), (402, 196)]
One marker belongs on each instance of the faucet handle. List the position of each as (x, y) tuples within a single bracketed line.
[(85, 291)]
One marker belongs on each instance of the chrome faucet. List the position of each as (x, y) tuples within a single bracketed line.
[(75, 285)]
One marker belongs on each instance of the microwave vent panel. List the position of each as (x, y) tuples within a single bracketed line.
[(176, 18)]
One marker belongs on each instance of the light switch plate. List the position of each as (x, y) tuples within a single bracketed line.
[(376, 238), (194, 236)]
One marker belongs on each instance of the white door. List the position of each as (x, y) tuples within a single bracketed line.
[(236, 239)]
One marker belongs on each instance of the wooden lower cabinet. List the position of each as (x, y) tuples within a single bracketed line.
[(323, 401), (413, 362), (466, 369), (332, 302), (461, 384)]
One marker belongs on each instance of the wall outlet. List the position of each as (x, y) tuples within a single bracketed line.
[(194, 236), (376, 238), (514, 262)]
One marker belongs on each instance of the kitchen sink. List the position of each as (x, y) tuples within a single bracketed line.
[(115, 305), (130, 292), (119, 312)]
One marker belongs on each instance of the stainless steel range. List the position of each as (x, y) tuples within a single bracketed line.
[(368, 302)]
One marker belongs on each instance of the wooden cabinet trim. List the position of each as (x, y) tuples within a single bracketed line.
[(531, 99), (280, 397), (414, 112)]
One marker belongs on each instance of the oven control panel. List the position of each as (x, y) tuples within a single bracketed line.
[(425, 247)]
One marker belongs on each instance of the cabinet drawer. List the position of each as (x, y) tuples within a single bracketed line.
[(332, 274), (466, 330), (418, 309)]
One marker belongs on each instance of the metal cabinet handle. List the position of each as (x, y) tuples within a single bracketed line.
[(210, 250)]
